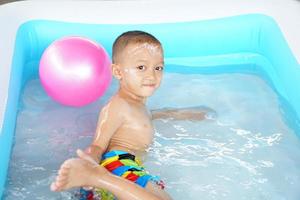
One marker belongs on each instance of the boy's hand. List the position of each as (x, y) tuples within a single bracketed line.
[(95, 152)]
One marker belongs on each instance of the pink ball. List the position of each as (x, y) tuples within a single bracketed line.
[(75, 71)]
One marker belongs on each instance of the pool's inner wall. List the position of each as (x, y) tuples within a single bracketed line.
[(252, 40)]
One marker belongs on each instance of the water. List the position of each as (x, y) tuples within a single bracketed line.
[(246, 152)]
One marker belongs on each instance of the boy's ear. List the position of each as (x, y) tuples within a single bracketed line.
[(116, 71)]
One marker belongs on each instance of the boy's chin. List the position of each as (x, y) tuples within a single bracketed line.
[(147, 93)]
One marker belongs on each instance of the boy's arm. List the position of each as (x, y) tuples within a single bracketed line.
[(190, 113), (110, 119)]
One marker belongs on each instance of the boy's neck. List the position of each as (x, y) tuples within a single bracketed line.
[(131, 97)]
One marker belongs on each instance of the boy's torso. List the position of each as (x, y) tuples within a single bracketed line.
[(136, 133)]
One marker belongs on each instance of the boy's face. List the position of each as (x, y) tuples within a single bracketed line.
[(140, 68)]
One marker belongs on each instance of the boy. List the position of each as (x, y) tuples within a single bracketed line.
[(124, 130)]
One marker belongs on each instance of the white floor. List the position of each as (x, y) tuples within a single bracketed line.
[(285, 12)]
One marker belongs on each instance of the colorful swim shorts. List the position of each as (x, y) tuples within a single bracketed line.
[(125, 165)]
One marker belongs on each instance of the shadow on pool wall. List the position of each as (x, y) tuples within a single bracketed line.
[(248, 43)]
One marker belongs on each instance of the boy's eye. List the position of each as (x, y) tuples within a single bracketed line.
[(159, 68), (141, 67)]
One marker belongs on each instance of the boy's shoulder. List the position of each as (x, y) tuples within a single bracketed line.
[(118, 104)]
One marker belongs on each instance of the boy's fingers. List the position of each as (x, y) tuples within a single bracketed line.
[(88, 150), (79, 153), (53, 187)]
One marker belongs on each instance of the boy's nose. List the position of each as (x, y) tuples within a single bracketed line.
[(150, 74)]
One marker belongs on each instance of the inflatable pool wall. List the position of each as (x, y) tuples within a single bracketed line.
[(248, 43)]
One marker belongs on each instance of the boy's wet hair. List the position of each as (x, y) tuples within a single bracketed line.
[(132, 37)]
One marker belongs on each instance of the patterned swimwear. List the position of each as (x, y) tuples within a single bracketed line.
[(125, 165)]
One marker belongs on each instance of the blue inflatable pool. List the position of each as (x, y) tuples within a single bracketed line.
[(246, 44)]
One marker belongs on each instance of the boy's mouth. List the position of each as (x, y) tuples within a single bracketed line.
[(149, 85)]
